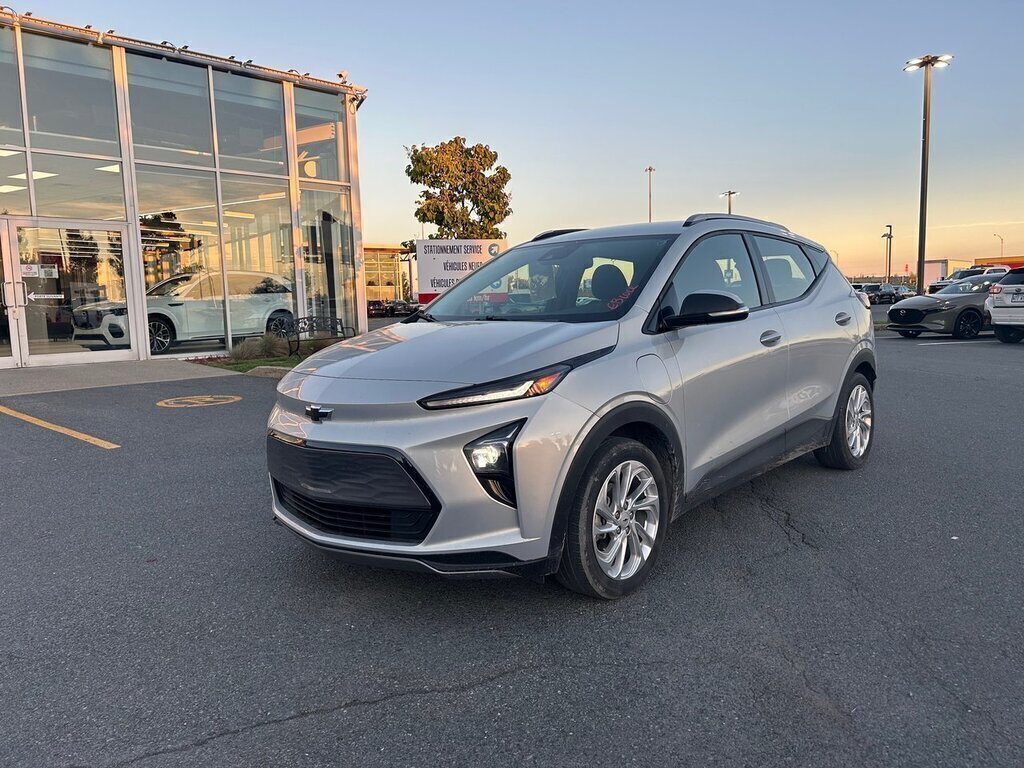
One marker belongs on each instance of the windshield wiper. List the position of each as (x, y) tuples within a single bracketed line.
[(420, 314)]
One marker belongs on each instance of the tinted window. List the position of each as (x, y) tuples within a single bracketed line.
[(975, 284), (1014, 277), (819, 259), (789, 270), (719, 263)]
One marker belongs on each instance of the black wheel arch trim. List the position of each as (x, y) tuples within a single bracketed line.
[(620, 416)]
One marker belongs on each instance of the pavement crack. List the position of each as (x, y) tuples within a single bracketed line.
[(769, 502)]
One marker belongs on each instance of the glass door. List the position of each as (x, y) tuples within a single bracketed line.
[(68, 302), (10, 351)]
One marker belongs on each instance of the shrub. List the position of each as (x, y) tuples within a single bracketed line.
[(267, 345)]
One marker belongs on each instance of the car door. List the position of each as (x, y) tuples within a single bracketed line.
[(732, 375), (244, 302), (819, 317), (203, 305)]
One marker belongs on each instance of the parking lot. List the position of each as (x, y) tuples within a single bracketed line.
[(153, 615)]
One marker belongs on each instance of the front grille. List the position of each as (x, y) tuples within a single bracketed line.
[(904, 316), (355, 492)]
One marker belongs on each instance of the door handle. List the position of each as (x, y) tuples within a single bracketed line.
[(24, 293), (7, 299), (843, 319), (771, 338), (176, 304)]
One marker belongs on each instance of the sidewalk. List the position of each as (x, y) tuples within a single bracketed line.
[(28, 381)]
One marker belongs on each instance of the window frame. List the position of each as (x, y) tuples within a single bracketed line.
[(759, 266), (651, 326)]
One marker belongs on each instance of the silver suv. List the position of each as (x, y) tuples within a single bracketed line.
[(554, 411)]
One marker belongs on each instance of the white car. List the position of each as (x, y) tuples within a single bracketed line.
[(996, 269), (190, 307), (1005, 305)]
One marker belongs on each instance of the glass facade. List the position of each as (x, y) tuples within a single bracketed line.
[(192, 188)]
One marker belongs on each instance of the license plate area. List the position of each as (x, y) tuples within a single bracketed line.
[(1017, 298)]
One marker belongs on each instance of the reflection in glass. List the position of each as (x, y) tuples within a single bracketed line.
[(181, 258), (320, 135), (170, 108), (258, 253), (13, 183), (250, 123), (10, 92), (74, 280), (327, 251), (76, 187), (70, 92)]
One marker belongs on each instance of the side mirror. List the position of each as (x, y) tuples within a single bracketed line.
[(707, 308)]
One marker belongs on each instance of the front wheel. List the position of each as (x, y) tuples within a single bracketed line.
[(909, 334), (968, 325), (1008, 334), (161, 335), (618, 522), (854, 429)]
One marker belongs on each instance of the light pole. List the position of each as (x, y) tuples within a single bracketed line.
[(888, 253), (649, 170), (728, 195), (1001, 244), (927, 63)]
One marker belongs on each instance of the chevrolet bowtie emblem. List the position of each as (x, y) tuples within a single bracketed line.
[(318, 413)]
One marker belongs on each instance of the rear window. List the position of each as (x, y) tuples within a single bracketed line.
[(819, 259), (1013, 277)]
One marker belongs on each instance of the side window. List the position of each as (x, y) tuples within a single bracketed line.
[(789, 270), (242, 283), (718, 263), (208, 288), (819, 259)]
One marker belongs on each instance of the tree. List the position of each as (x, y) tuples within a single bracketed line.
[(465, 193)]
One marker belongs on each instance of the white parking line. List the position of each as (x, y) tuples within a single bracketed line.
[(964, 341)]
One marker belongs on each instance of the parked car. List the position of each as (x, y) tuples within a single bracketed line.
[(857, 286), (376, 308), (880, 293), (958, 309), (401, 307), (996, 269), (547, 436), (190, 307), (959, 274), (1005, 305), (904, 292)]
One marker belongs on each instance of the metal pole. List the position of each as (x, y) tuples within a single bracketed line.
[(1001, 244), (650, 199), (925, 135)]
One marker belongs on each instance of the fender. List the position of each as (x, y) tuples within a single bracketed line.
[(629, 413)]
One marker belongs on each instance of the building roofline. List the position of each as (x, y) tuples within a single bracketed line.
[(183, 54)]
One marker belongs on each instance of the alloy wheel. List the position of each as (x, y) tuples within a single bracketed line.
[(626, 515), (159, 337), (969, 325), (858, 421)]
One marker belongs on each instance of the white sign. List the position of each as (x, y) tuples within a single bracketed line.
[(48, 270), (30, 270), (440, 264), (41, 296)]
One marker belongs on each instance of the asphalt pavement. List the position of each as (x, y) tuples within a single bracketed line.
[(152, 615)]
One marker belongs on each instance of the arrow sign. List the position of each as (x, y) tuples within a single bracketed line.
[(34, 296)]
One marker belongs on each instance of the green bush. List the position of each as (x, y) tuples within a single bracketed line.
[(267, 345)]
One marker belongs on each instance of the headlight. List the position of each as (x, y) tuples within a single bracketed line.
[(490, 457), (529, 384)]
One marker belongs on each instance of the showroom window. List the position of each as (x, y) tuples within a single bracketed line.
[(250, 123), (11, 130), (70, 92), (326, 218), (181, 255), (258, 242), (320, 135), (77, 187), (13, 183), (170, 109)]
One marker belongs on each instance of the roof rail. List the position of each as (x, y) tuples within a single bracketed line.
[(556, 233), (697, 218)]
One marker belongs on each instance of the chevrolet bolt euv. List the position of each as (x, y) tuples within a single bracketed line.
[(554, 411)]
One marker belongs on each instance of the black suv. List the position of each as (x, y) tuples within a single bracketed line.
[(881, 293)]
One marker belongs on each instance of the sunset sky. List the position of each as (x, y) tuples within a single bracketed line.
[(802, 106)]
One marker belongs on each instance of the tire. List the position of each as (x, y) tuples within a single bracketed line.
[(839, 453), (277, 323), (642, 535), (968, 325), (161, 335), (1008, 334), (909, 334)]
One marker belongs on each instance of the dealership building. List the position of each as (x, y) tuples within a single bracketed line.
[(155, 200)]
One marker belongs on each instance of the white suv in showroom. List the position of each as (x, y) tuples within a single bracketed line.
[(190, 307), (1005, 305)]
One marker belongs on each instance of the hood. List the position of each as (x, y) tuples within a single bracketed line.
[(458, 353), (101, 306), (934, 300)]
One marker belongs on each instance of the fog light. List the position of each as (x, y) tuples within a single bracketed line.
[(490, 457)]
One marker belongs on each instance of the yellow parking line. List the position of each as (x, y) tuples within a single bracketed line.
[(58, 428)]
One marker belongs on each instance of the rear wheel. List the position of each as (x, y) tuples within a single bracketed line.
[(1008, 334), (618, 521), (909, 334), (854, 430), (278, 324), (968, 325)]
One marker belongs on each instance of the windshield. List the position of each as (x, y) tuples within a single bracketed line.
[(976, 284), (173, 286), (576, 282), (872, 286)]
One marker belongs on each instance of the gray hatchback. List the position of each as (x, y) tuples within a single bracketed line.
[(557, 409)]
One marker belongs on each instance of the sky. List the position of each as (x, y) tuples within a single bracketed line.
[(801, 106)]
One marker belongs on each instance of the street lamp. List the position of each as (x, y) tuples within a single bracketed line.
[(1001, 244), (926, 63), (728, 195), (888, 253), (649, 170)]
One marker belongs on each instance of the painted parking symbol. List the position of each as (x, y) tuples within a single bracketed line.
[(198, 401)]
